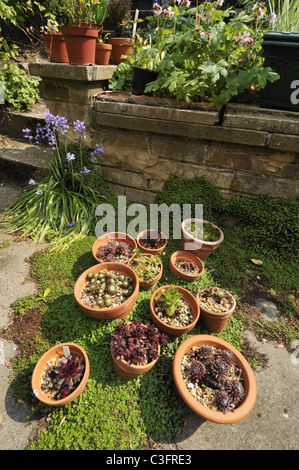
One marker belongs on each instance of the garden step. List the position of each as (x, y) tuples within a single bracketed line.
[(20, 161)]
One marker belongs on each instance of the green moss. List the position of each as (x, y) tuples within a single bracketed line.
[(111, 413)]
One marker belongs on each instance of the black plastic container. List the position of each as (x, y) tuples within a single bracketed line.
[(140, 78), (281, 52)]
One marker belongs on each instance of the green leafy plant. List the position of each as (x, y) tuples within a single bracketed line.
[(170, 299)]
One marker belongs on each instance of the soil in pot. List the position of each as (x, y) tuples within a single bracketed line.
[(151, 241), (148, 268)]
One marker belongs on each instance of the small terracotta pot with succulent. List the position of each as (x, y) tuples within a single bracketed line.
[(148, 268), (216, 306), (135, 348), (186, 266), (107, 291), (114, 247), (61, 374), (151, 241), (174, 310), (200, 237), (214, 379)]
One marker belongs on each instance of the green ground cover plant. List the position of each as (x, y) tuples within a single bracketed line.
[(115, 414)]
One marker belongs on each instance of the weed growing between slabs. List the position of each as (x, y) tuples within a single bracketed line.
[(119, 415)]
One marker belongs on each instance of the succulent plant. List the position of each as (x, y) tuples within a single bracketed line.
[(136, 343), (70, 370), (170, 300), (235, 390), (114, 250), (197, 370), (224, 401)]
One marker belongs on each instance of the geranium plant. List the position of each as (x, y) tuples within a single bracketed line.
[(136, 343), (207, 53), (60, 208)]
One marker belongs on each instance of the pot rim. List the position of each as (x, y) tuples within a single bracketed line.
[(181, 255), (249, 381), (113, 311), (113, 236), (53, 352), (188, 236)]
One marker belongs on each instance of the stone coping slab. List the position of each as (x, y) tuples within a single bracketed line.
[(87, 73)]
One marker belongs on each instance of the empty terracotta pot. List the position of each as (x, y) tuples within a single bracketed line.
[(121, 47), (215, 322), (56, 48), (118, 236), (118, 311), (103, 52), (186, 256), (80, 44), (55, 352), (249, 381), (174, 331), (198, 247)]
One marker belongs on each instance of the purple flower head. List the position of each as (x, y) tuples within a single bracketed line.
[(70, 224), (40, 191), (70, 157), (79, 126), (85, 171), (97, 151), (31, 181)]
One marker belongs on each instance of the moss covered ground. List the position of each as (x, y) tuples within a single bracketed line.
[(113, 414)]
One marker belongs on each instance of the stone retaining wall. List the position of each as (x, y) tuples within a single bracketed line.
[(246, 150)]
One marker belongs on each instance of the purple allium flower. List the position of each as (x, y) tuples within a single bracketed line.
[(40, 191), (31, 181), (70, 157)]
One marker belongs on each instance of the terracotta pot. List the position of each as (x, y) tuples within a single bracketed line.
[(151, 251), (182, 256), (119, 311), (200, 248), (103, 52), (146, 285), (249, 381), (118, 236), (172, 331), (212, 321), (56, 48), (55, 352), (132, 371), (121, 46), (80, 44)]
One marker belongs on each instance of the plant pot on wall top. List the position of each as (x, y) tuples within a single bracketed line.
[(56, 48), (103, 52), (281, 52), (140, 78), (80, 44), (121, 47)]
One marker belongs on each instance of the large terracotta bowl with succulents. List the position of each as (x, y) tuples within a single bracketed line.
[(115, 247), (107, 291), (214, 379), (67, 362)]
